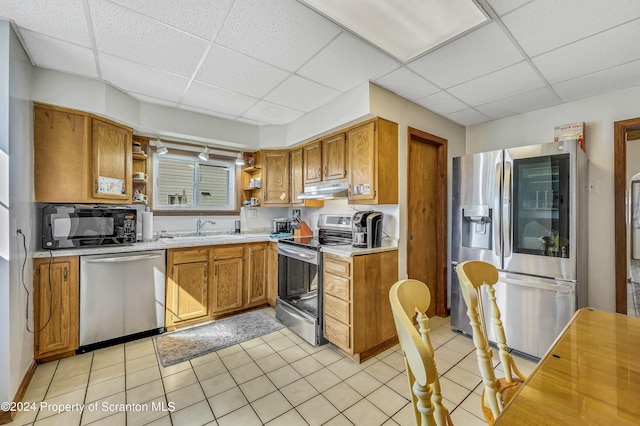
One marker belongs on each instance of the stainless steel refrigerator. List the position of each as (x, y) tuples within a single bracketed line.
[(524, 210)]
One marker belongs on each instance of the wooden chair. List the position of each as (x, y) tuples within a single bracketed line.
[(410, 298), (473, 275)]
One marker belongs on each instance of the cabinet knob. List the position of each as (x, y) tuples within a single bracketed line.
[(325, 171), (65, 274)]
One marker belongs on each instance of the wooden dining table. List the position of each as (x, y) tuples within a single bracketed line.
[(589, 376)]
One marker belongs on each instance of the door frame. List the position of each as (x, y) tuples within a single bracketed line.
[(620, 129), (415, 135)]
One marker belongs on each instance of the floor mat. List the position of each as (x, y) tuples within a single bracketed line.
[(182, 345)]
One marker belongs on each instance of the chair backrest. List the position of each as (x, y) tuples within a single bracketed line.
[(473, 276), (411, 298)]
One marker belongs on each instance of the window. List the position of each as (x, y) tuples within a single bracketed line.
[(185, 183)]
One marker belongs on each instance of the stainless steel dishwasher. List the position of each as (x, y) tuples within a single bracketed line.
[(121, 295)]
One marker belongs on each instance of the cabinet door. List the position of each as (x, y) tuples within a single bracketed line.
[(227, 285), (272, 274), (187, 290), (55, 303), (275, 168), (333, 152), (361, 161), (297, 178), (111, 154), (257, 273), (312, 162)]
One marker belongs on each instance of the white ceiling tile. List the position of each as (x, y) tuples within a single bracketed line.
[(543, 25), (503, 6), (346, 63), (480, 52), (215, 99), (604, 50), (407, 83), (609, 80), (524, 102), (120, 32), (60, 19), (59, 55), (283, 33), (207, 112), (301, 94), (266, 112), (442, 103), (234, 71), (152, 100), (137, 78), (200, 17), (510, 81), (467, 117)]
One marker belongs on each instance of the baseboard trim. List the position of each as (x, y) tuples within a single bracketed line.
[(7, 416)]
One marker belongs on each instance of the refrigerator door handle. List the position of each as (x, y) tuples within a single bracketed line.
[(543, 284), (506, 210), (497, 242)]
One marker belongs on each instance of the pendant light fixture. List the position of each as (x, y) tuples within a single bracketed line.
[(160, 148), (204, 155), (240, 159)]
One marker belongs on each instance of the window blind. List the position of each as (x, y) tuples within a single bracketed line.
[(213, 185), (175, 177)]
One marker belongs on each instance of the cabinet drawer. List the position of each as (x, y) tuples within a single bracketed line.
[(338, 309), (189, 256), (337, 333), (337, 286), (228, 252), (337, 266)]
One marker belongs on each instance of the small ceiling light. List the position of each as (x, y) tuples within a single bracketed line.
[(240, 159), (160, 148), (204, 155)]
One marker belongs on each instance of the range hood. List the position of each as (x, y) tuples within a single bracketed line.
[(325, 191)]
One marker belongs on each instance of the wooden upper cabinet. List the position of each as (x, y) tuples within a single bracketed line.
[(71, 149), (275, 177), (334, 157), (297, 179), (372, 163), (111, 152), (312, 162), (56, 306)]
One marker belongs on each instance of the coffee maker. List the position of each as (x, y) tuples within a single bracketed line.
[(367, 229)]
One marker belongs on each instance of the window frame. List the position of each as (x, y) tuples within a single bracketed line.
[(190, 156)]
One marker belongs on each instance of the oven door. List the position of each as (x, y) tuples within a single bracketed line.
[(298, 271)]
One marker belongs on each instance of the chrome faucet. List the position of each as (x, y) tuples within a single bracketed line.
[(201, 223)]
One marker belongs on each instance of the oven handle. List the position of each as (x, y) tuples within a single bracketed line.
[(298, 254)]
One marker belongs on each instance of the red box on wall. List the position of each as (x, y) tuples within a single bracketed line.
[(570, 131)]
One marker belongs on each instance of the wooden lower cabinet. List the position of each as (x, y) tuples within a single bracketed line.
[(272, 273), (187, 286), (257, 273), (56, 307), (357, 314), (227, 279)]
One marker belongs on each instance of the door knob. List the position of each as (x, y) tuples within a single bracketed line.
[(411, 237)]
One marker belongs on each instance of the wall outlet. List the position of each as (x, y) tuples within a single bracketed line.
[(592, 187), (252, 213)]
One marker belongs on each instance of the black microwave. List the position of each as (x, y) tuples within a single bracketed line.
[(87, 225)]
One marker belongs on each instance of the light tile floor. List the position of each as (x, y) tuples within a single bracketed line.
[(277, 379)]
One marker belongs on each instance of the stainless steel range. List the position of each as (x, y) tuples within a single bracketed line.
[(300, 277)]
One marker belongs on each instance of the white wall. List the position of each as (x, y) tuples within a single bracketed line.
[(599, 113)]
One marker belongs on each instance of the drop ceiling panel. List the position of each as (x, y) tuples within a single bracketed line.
[(123, 33), (503, 6), (283, 33), (235, 71), (59, 55), (215, 99), (524, 102), (485, 50), (442, 103), (407, 83), (604, 50), (200, 17), (515, 79), (346, 63), (543, 25), (467, 117), (301, 94), (60, 19), (609, 80), (269, 113), (137, 78)]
